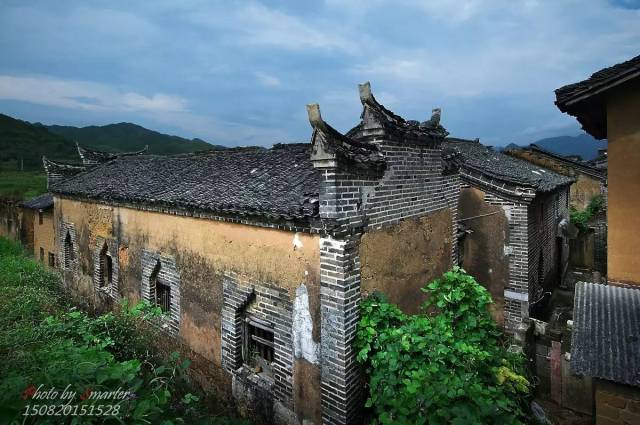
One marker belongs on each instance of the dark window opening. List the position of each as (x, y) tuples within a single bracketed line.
[(41, 254), (163, 296), (106, 267), (68, 251), (40, 217), (161, 290), (52, 260), (259, 342)]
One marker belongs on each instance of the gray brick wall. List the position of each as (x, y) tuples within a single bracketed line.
[(64, 255), (351, 202), (270, 304), (544, 214), (516, 299), (98, 267), (168, 273)]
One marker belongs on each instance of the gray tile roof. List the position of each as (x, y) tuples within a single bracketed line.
[(583, 166), (483, 159), (606, 333), (597, 81), (586, 100), (41, 202), (276, 183)]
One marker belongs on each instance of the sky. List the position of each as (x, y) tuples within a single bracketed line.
[(240, 73)]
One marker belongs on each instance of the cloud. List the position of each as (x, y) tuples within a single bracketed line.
[(242, 72), (268, 80), (84, 95), (254, 24)]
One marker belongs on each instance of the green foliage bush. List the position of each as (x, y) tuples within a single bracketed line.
[(45, 342), (445, 366), (581, 218)]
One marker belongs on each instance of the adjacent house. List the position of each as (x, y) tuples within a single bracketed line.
[(606, 342), (512, 214), (37, 223), (589, 180), (607, 105), (589, 249), (259, 256)]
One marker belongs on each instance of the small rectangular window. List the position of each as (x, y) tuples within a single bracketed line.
[(259, 341), (40, 217), (52, 260), (41, 255)]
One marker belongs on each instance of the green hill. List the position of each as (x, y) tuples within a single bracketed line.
[(23, 144), (125, 137)]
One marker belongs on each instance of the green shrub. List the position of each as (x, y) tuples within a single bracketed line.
[(581, 218), (445, 366)]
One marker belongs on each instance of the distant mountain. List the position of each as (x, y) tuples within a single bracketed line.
[(125, 137), (583, 145), (24, 143)]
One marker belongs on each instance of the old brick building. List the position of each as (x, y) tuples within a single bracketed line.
[(259, 256), (511, 213)]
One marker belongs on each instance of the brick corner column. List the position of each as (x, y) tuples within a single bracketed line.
[(341, 380)]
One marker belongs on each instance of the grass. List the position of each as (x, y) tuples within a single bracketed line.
[(45, 341), (22, 185)]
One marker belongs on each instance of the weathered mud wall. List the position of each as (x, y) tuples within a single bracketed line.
[(43, 235), (623, 131), (203, 251), (401, 259), (485, 249)]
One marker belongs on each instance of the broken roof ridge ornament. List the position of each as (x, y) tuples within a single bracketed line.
[(315, 118)]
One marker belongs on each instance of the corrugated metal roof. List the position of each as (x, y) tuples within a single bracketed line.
[(606, 333)]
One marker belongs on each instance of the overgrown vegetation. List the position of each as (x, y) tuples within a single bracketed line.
[(45, 344), (581, 218), (447, 365)]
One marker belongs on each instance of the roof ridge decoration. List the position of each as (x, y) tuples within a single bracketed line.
[(92, 157), (375, 116), (330, 148), (58, 171)]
